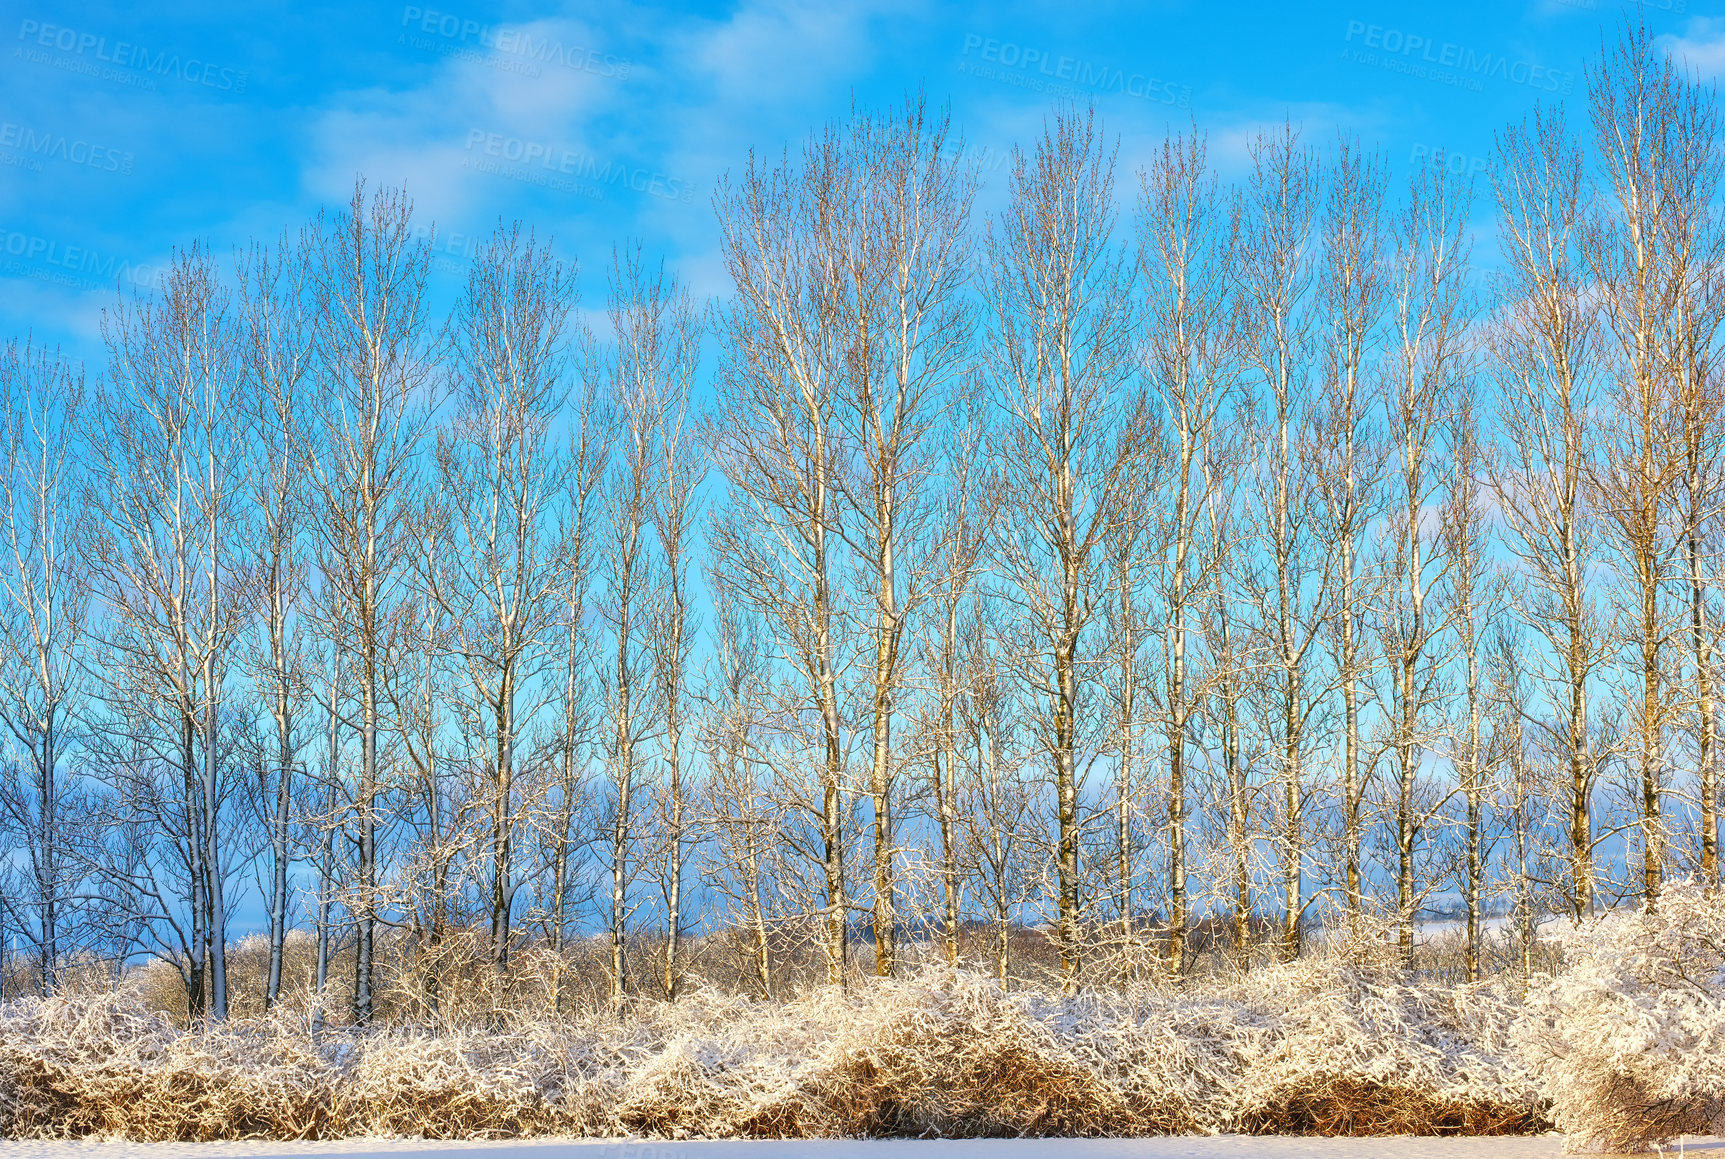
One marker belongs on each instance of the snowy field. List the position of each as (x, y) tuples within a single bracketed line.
[(1209, 1147)]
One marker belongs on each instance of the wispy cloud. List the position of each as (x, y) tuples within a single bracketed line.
[(1701, 47)]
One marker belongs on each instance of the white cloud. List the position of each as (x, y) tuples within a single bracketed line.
[(782, 50), (527, 84), (1701, 47)]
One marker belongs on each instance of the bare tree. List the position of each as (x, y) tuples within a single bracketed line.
[(555, 826), (775, 437), (1288, 590), (1349, 458), (1429, 359), (375, 378), (1060, 357), (1190, 350), (969, 501), (1476, 603), (903, 292), (1234, 664), (1128, 619), (274, 357), (996, 797), (44, 615), (162, 559), (1528, 811), (741, 859), (433, 804), (675, 327), (499, 576), (1543, 345), (1692, 242), (1634, 98), (649, 353), (323, 823)]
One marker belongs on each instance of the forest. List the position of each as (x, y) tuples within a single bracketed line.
[(1174, 572)]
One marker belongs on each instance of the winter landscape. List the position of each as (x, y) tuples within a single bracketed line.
[(966, 599)]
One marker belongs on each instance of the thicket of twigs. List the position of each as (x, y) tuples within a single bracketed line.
[(1622, 1047), (1628, 1039), (1326, 1046)]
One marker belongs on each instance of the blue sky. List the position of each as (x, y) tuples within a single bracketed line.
[(129, 129)]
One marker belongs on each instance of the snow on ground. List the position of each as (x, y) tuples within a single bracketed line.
[(1183, 1147)]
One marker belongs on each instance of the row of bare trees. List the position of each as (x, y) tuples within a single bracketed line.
[(1171, 570)]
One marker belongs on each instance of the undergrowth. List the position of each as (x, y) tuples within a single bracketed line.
[(1321, 1047)]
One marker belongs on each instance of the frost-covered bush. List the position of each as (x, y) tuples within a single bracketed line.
[(103, 1065), (1317, 1047), (1628, 1039), (1357, 1049)]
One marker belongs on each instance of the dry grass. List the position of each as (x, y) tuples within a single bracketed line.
[(1318, 1048)]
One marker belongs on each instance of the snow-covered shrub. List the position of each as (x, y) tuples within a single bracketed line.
[(939, 1053), (1318, 1047), (949, 1054), (104, 1065), (1628, 1039), (717, 1067), (444, 1086), (1360, 1050), (1312, 1048)]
